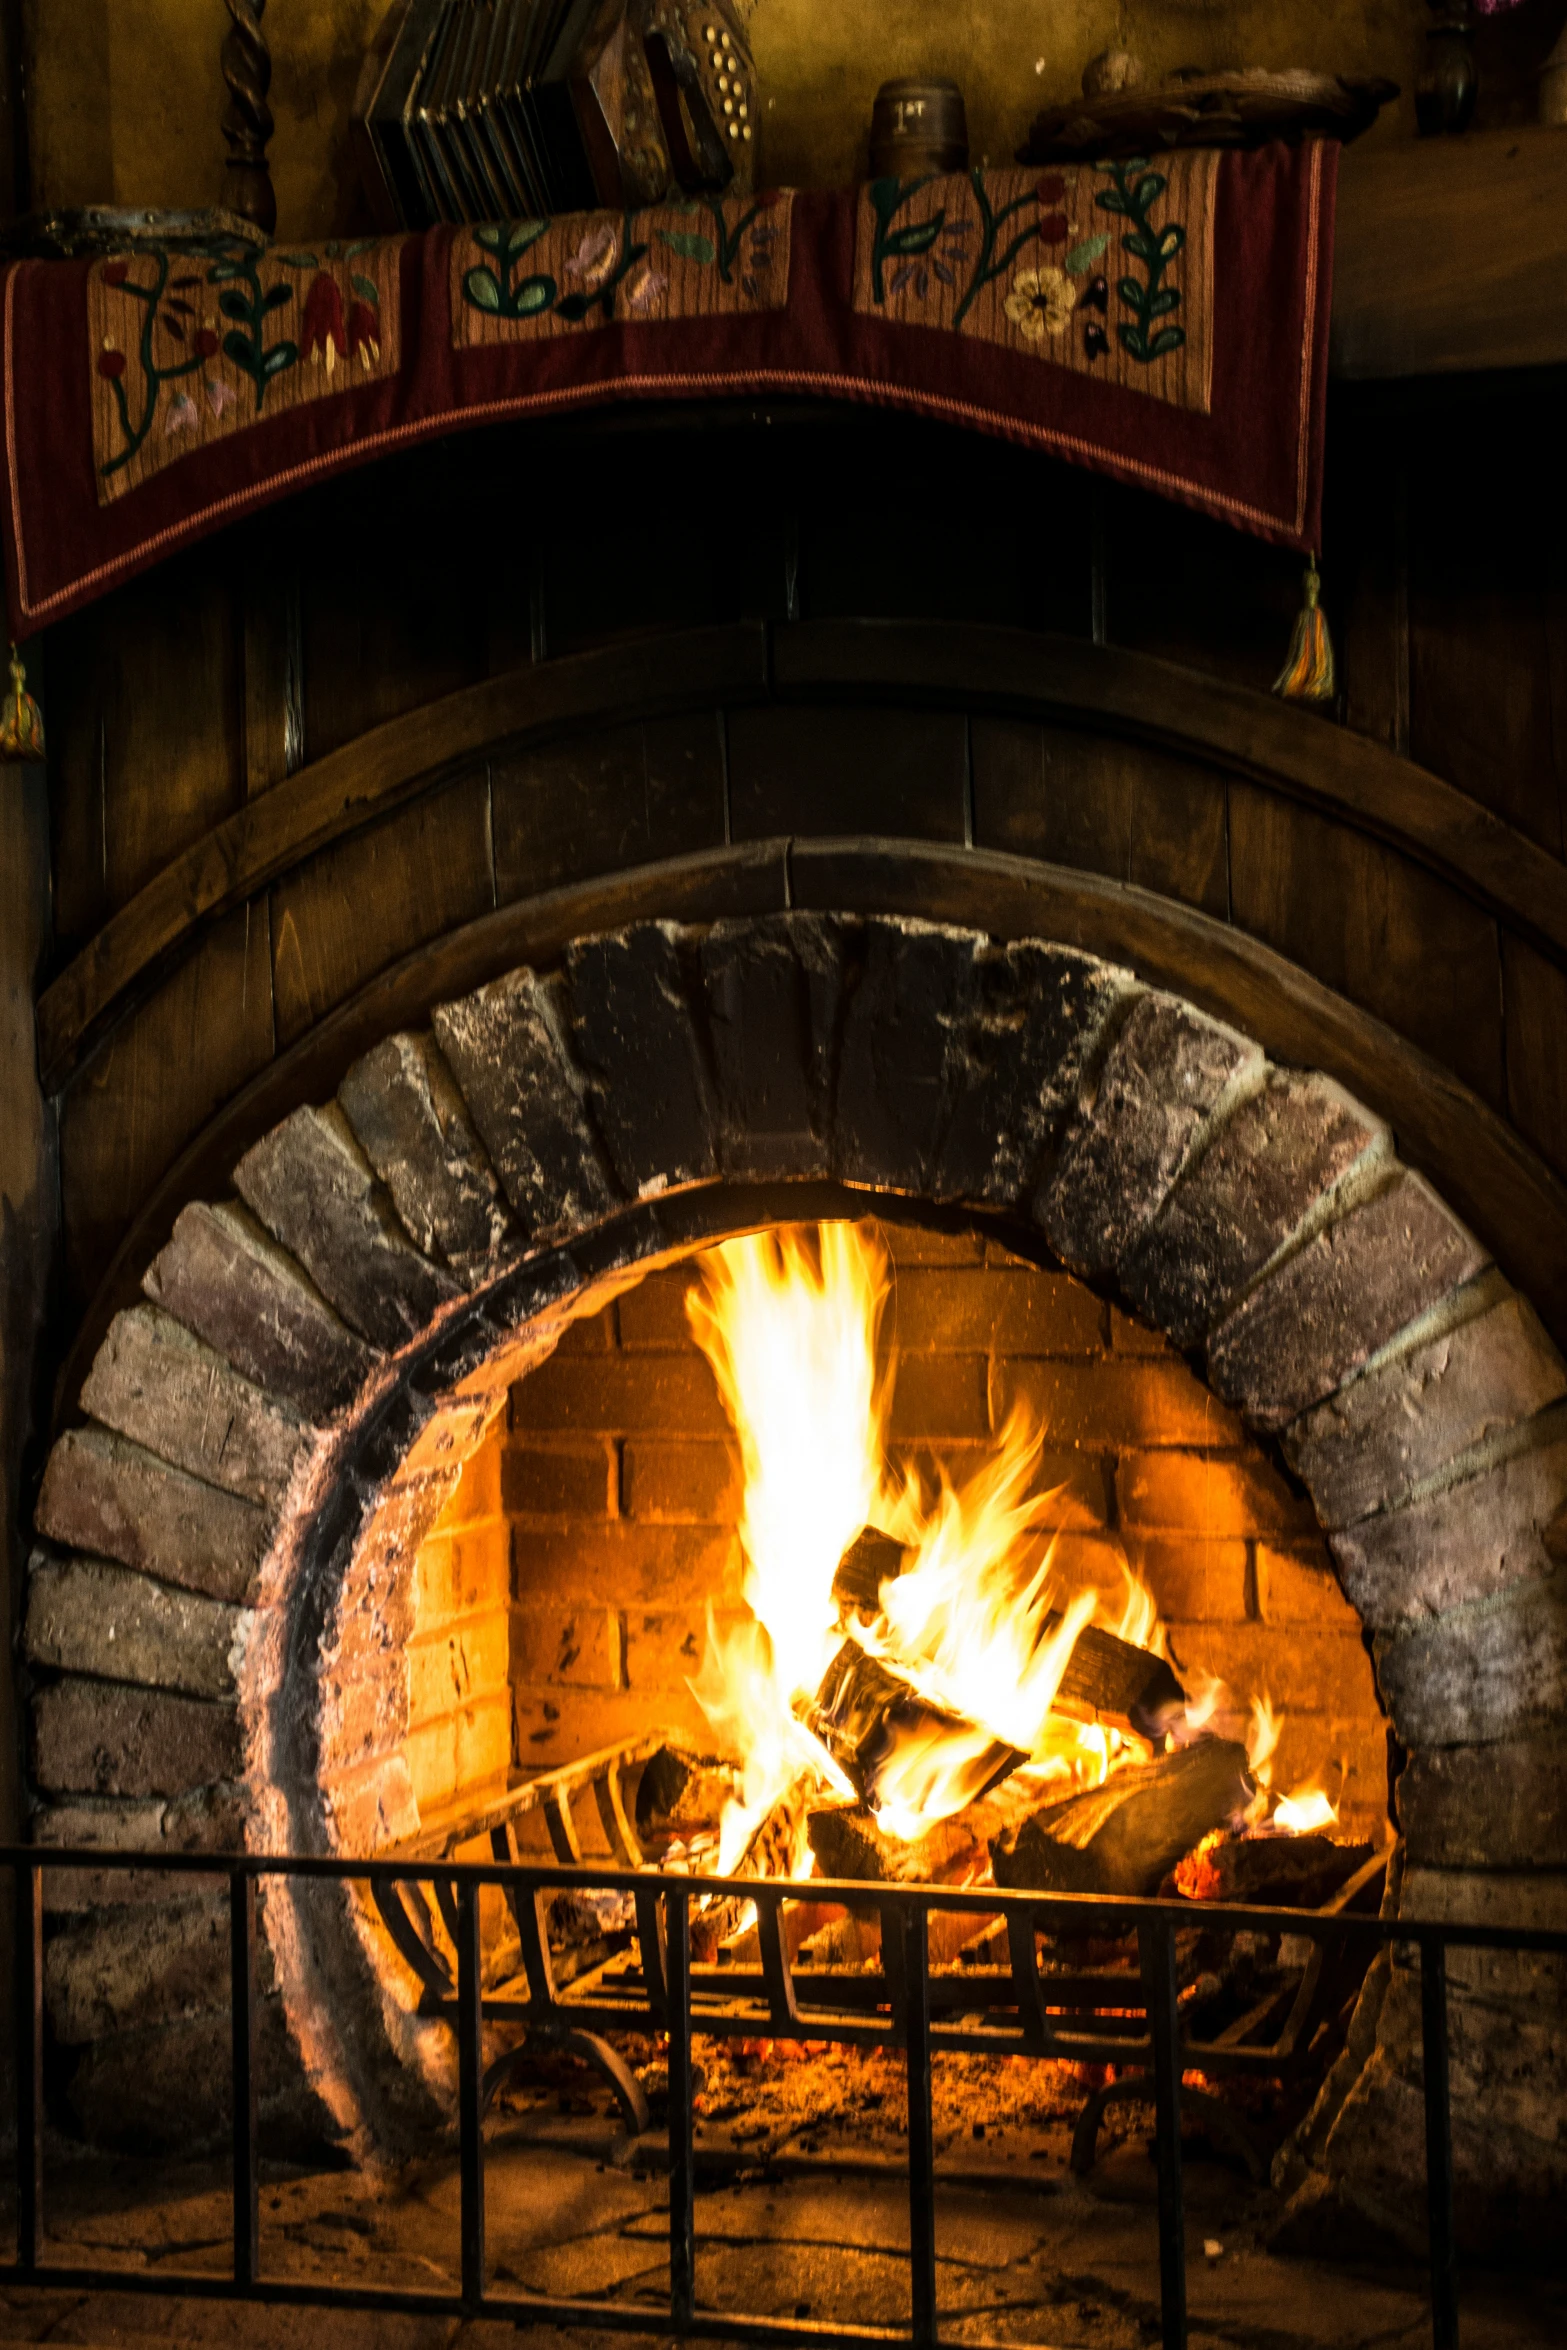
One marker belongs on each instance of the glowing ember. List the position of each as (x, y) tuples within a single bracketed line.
[(967, 1627)]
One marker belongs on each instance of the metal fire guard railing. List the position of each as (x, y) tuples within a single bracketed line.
[(667, 2005)]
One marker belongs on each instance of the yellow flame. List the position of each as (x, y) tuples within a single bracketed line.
[(1307, 1809), (789, 1320), (791, 1334), (1262, 1738)]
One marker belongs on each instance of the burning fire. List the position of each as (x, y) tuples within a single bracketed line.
[(967, 1624)]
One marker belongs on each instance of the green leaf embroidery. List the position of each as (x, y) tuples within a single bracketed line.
[(690, 244), (365, 288), (1082, 257), (1147, 298), (280, 356), (533, 295), (904, 243), (276, 296), (234, 305), (482, 288), (298, 260)]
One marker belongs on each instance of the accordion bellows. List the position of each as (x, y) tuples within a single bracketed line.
[(508, 109)]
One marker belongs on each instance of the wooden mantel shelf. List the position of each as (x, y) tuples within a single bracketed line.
[(1451, 254)]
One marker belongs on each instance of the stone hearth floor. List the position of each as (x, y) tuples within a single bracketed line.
[(1053, 2260)]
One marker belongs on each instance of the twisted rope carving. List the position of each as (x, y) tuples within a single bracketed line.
[(247, 120)]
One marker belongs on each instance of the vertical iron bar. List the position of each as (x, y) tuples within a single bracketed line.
[(1439, 2144), (29, 2063), (470, 2093), (242, 1978), (682, 2125), (922, 2158), (1157, 1941)]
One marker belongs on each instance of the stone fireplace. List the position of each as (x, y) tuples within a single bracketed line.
[(405, 1478)]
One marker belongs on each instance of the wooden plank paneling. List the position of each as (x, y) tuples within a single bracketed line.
[(1374, 927), (1535, 993), (367, 900), (845, 771), (1192, 590), (145, 710), (1486, 575), (172, 1061), (1450, 254), (605, 801), (1102, 806), (335, 796), (394, 595)]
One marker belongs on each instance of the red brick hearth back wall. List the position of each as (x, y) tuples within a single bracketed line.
[(614, 1490)]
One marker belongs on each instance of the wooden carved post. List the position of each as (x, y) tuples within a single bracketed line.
[(247, 122)]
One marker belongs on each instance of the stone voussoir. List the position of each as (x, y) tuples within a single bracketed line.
[(635, 1040), (316, 1192), (1016, 1064), (86, 1616), (1168, 1072), (1491, 1670), (412, 1124), (1405, 1418), (911, 995), (1487, 1807), (525, 1098), (1268, 1167), (1465, 1541), (113, 1500), (153, 1382), (101, 1738), (225, 1278), (773, 992), (1321, 1315)]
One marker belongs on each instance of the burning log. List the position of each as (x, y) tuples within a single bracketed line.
[(849, 1842), (1293, 1872), (864, 1713), (1125, 1836), (872, 1559), (1119, 1682), (679, 1797)]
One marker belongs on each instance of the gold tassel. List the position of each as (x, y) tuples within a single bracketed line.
[(1308, 674), (21, 720)]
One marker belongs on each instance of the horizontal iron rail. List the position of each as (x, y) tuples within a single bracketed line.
[(663, 1906), (1079, 1913)]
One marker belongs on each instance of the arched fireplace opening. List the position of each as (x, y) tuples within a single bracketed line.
[(331, 1369)]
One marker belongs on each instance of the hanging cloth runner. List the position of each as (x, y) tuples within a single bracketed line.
[(1164, 323)]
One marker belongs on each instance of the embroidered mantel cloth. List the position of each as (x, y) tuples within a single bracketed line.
[(1162, 322)]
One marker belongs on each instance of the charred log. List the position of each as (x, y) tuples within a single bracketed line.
[(864, 1712), (1118, 1682), (849, 1842), (679, 1797), (1294, 1872), (1125, 1836), (872, 1559)]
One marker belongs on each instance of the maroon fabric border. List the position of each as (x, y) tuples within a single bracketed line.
[(1254, 460)]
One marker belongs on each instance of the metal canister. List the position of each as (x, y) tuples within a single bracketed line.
[(918, 127)]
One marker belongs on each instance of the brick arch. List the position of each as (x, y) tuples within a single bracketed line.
[(265, 1439)]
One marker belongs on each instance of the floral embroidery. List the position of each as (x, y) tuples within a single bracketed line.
[(322, 334), (182, 416), (698, 257), (1041, 302), (1022, 259)]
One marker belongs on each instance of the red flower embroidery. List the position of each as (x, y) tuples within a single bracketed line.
[(1052, 229), (1051, 189), (206, 342), (364, 334), (111, 364), (115, 273), (323, 324)]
